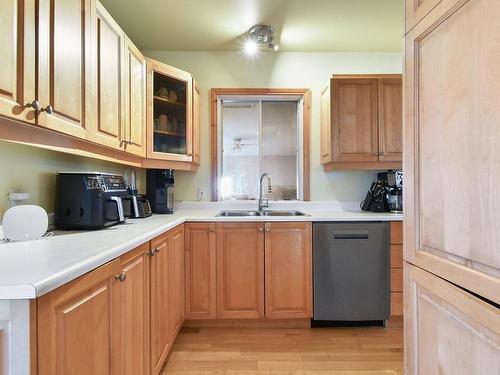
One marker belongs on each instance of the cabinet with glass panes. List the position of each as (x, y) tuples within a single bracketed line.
[(169, 113)]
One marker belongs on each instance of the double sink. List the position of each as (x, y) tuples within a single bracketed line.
[(232, 213)]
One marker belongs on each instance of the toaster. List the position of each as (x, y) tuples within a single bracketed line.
[(89, 200), (136, 206)]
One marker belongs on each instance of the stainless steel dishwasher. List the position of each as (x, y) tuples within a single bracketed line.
[(351, 272)]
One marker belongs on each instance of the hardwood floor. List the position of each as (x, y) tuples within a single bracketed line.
[(287, 351)]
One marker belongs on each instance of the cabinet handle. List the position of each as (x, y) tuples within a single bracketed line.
[(34, 104), (261, 229), (211, 230), (157, 250), (151, 253), (268, 230), (130, 142), (48, 109), (122, 276)]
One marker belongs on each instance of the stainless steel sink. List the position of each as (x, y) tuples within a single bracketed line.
[(260, 213), (238, 213), (283, 213)]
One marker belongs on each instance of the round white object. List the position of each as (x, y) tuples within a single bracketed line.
[(25, 223)]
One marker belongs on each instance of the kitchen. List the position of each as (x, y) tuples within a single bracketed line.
[(233, 280)]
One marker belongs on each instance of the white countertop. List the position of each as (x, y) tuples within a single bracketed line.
[(31, 269)]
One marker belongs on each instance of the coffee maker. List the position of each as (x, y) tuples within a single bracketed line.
[(160, 190), (385, 193)]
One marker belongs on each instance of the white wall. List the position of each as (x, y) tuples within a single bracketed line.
[(284, 69)]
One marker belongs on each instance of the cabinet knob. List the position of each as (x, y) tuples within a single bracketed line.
[(261, 229), (211, 230), (157, 250), (268, 230), (48, 109), (122, 276), (130, 142), (34, 104), (151, 253)]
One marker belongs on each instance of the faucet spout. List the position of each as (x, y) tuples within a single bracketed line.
[(263, 205)]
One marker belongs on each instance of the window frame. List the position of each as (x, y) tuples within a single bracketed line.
[(216, 95)]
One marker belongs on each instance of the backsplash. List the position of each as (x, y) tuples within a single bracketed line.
[(33, 170)]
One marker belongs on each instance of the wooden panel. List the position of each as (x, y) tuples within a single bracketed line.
[(201, 282), (132, 314), (396, 303), (452, 146), (75, 325), (66, 68), (416, 10), (135, 99), (396, 256), (17, 59), (159, 278), (196, 124), (288, 270), (396, 280), (390, 128), (325, 126), (240, 270), (176, 285), (108, 128), (396, 229), (354, 119), (447, 330)]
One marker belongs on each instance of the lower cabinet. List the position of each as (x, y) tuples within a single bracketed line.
[(240, 270), (75, 333), (288, 264), (448, 330), (200, 271), (159, 276), (176, 276)]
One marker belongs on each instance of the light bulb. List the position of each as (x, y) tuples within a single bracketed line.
[(250, 47), (276, 48)]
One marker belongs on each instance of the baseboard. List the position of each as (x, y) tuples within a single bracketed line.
[(249, 323)]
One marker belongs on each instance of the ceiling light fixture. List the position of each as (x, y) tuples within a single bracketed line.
[(260, 35)]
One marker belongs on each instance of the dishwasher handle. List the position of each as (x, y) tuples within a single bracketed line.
[(351, 234)]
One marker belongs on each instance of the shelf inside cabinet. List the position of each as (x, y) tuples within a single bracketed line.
[(169, 133), (165, 101)]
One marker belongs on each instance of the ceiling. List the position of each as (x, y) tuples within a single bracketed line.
[(314, 25)]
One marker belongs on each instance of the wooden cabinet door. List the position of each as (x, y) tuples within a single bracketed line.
[(354, 120), (447, 330), (288, 265), (390, 103), (66, 66), (177, 292), (135, 100), (326, 126), (159, 288), (452, 146), (240, 270), (17, 59), (200, 271), (416, 10), (108, 128), (196, 124), (75, 325), (132, 313)]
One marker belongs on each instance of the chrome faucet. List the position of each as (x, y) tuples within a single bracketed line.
[(269, 190)]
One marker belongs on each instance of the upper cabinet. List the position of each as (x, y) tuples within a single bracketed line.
[(17, 59), (361, 122), (68, 67), (169, 113), (65, 68)]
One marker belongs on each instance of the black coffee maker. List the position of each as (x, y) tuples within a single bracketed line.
[(385, 193), (160, 190)]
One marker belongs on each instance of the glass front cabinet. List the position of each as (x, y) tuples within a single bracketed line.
[(170, 128)]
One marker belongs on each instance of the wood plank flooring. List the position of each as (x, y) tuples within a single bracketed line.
[(288, 351)]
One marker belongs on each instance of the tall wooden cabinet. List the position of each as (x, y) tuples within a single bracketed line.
[(240, 270), (288, 265), (17, 59), (451, 167), (361, 122), (201, 271)]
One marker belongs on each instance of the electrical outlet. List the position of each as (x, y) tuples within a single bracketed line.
[(202, 192)]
